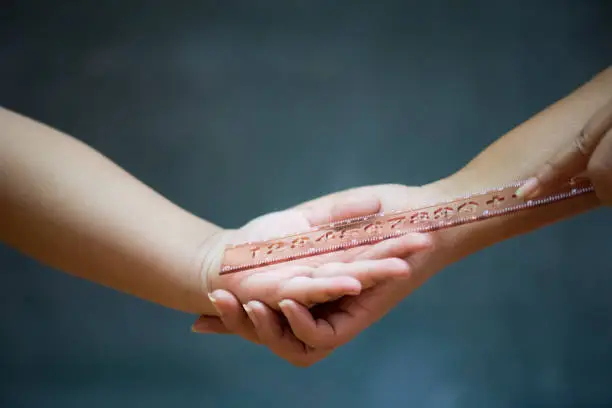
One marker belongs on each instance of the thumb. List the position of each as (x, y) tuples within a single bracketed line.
[(571, 159)]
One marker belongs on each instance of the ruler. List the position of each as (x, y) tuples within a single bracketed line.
[(370, 229)]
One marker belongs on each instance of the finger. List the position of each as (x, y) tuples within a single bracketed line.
[(309, 291), (352, 315), (367, 272), (600, 169), (317, 333), (344, 322), (279, 339), (209, 324), (341, 207), (349, 279), (233, 315), (266, 322), (571, 159), (357, 206), (400, 247)]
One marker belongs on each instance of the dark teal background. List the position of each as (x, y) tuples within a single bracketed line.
[(237, 108)]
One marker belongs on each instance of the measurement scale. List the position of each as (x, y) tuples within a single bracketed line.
[(370, 229)]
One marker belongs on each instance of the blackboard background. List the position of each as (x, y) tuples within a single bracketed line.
[(237, 108)]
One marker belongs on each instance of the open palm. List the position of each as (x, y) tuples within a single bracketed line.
[(318, 295), (317, 279)]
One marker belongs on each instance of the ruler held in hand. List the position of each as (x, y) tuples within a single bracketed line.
[(367, 230)]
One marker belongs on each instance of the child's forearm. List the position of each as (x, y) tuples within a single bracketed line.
[(518, 155), (71, 208)]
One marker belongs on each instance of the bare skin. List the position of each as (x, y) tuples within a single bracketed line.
[(71, 208), (589, 154), (517, 155)]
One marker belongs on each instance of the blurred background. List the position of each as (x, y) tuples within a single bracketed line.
[(237, 108)]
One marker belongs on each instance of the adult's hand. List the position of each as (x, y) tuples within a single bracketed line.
[(590, 153), (507, 159)]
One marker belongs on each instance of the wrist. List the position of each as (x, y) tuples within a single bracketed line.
[(453, 244), (459, 242), (210, 259), (447, 248)]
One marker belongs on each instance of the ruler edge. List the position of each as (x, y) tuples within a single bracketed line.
[(529, 204), (383, 214)]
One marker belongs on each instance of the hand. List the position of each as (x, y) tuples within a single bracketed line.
[(590, 153), (303, 283), (491, 167), (328, 325)]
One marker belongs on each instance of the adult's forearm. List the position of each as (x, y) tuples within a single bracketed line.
[(518, 155), (71, 208)]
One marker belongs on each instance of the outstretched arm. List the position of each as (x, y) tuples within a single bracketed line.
[(69, 207), (519, 155), (589, 154)]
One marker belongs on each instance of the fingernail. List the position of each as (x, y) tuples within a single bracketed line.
[(249, 311), (284, 304), (528, 189), (213, 300), (200, 328)]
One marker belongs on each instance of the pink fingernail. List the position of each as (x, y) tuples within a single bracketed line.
[(213, 300), (528, 189)]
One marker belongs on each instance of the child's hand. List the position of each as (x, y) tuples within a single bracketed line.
[(318, 279)]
